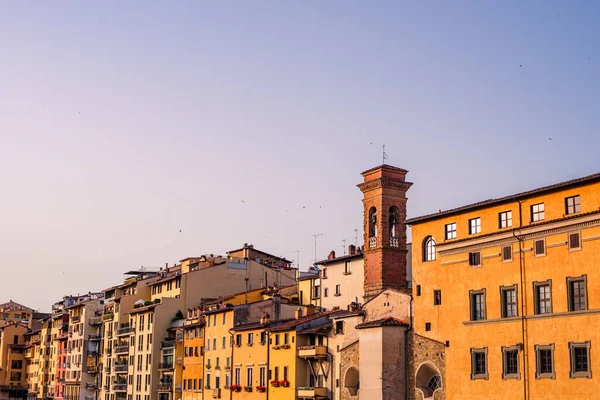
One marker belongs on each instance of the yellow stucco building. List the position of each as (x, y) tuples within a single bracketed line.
[(508, 286)]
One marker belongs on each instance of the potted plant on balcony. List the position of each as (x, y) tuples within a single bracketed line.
[(284, 383), (275, 383), (276, 347), (261, 389), (247, 388), (235, 388), (286, 346)]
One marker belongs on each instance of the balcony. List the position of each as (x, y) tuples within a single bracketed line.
[(167, 344), (108, 317), (372, 242), (165, 366), (120, 387), (121, 369), (127, 330), (94, 337), (165, 387), (109, 334), (124, 349), (312, 352), (76, 318), (312, 393), (95, 321), (92, 369), (91, 386)]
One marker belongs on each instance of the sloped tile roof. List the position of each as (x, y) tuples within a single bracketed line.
[(387, 321)]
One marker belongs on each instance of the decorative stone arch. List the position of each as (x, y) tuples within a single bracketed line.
[(352, 381), (428, 380)]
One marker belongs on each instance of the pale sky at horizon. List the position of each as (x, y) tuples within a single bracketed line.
[(123, 123)]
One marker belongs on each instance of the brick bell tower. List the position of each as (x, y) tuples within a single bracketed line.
[(384, 201)]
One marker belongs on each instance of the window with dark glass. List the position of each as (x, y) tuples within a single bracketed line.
[(451, 231), (507, 253), (539, 247), (477, 305), (537, 212), (474, 226), (437, 297), (479, 363), (475, 259), (510, 362), (505, 219), (509, 301), (576, 291), (574, 241), (580, 360), (543, 297), (572, 205), (544, 361)]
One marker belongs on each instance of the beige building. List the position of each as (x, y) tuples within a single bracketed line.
[(13, 384), (14, 312), (342, 279)]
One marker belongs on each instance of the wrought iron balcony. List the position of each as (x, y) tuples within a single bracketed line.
[(127, 330), (119, 369), (120, 387), (95, 321), (167, 365), (165, 387), (121, 349)]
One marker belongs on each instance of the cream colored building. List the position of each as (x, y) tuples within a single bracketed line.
[(342, 280)]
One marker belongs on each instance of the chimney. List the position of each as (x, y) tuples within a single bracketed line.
[(276, 306), (331, 255), (298, 313), (352, 249)]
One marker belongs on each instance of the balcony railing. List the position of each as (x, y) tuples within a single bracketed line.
[(92, 369), (76, 318), (312, 352), (127, 330), (312, 392), (165, 387), (120, 387), (91, 386), (166, 344), (94, 337), (94, 321), (167, 365), (394, 242), (372, 242), (121, 368), (108, 317), (122, 349)]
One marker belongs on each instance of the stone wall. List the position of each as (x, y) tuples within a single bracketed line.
[(349, 357), (424, 351)]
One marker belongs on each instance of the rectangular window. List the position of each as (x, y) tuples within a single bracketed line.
[(510, 362), (208, 381), (418, 290), (505, 219), (338, 290), (451, 231), (507, 253), (479, 363), (474, 226), (537, 212), (217, 381), (539, 247), (285, 373), (317, 292), (238, 340), (347, 268), (250, 339), (508, 296), (249, 376), (276, 373), (427, 326), (477, 305), (574, 241), (324, 273), (224, 318), (237, 376), (262, 376), (326, 292), (263, 337), (214, 343), (580, 360), (572, 205), (277, 339), (227, 380), (544, 357), (437, 297), (543, 297), (475, 259), (576, 291), (286, 338), (223, 342)]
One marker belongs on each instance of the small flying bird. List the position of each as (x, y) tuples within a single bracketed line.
[(549, 138), (370, 143), (303, 207), (180, 231), (243, 202), (520, 65)]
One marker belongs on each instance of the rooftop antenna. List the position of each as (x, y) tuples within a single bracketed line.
[(344, 245), (384, 155), (356, 237), (297, 259), (316, 235)]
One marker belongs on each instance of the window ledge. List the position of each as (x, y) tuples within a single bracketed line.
[(537, 316), (492, 321), (347, 273), (337, 294)]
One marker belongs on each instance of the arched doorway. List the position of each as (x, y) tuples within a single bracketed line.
[(352, 381), (428, 380)]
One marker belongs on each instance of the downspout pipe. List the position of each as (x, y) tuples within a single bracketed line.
[(406, 349), (231, 342)]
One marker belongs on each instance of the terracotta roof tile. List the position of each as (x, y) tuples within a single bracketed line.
[(387, 321)]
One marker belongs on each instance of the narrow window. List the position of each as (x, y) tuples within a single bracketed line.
[(372, 227), (326, 292), (251, 339), (475, 259), (507, 253), (474, 226), (451, 231), (249, 376), (574, 241), (347, 268), (418, 290), (262, 376), (427, 326), (543, 297), (539, 247), (508, 296), (339, 327), (576, 291), (537, 212), (572, 205), (505, 219), (544, 357), (510, 362), (479, 363), (324, 273), (429, 249), (437, 297), (477, 305), (580, 360), (338, 290)]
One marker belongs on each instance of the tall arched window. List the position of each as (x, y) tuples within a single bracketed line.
[(429, 249), (394, 221), (373, 222)]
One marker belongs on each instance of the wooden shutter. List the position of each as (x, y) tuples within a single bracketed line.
[(574, 242), (540, 247), (506, 253)]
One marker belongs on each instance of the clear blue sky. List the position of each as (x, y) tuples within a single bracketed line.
[(122, 123)]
